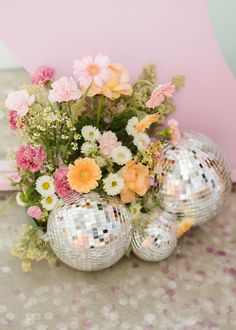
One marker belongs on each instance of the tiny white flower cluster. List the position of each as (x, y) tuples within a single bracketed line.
[(141, 140)]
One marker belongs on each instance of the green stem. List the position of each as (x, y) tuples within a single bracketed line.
[(142, 81), (100, 104), (75, 114)]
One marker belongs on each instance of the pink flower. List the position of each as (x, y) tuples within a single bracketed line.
[(175, 133), (63, 90), (88, 70), (34, 212), (108, 141), (42, 75), (158, 95), (30, 159), (19, 101), (13, 119), (16, 178), (61, 184)]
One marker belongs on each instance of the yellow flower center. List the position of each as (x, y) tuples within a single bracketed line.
[(121, 155), (46, 185), (93, 69), (49, 200), (91, 134), (84, 174), (114, 183)]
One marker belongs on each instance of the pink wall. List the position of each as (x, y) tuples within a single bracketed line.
[(177, 35)]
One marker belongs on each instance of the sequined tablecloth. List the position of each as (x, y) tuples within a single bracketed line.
[(193, 289)]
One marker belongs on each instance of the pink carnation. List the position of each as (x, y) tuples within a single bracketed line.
[(34, 212), (61, 184), (13, 119), (19, 101), (64, 90), (30, 159), (42, 75), (175, 133), (108, 141)]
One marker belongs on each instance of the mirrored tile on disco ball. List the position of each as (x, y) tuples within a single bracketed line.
[(89, 232), (199, 180)]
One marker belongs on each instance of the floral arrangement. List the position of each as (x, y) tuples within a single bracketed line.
[(94, 131)]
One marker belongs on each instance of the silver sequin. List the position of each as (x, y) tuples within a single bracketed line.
[(199, 181), (89, 232)]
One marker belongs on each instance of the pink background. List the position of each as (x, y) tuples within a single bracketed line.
[(177, 35)]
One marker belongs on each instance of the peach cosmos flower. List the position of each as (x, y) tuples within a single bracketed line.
[(175, 133), (183, 227), (83, 175), (64, 90), (158, 95), (135, 177), (19, 101), (146, 122), (88, 70), (118, 84)]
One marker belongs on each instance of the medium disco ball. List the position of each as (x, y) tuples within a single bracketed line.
[(158, 240), (89, 232), (198, 182)]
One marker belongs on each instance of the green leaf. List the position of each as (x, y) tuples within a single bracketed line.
[(83, 121), (121, 120)]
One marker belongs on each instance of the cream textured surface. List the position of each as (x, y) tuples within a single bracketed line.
[(193, 289)]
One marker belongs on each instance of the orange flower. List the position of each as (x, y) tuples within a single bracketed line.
[(146, 122), (83, 175), (183, 227), (136, 181), (117, 85)]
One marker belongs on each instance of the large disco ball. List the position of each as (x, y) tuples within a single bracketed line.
[(158, 240), (89, 232), (198, 182)]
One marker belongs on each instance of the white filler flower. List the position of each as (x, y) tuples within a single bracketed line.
[(90, 133), (121, 155), (88, 147), (131, 125), (135, 209), (113, 184), (49, 202), (45, 185), (141, 140)]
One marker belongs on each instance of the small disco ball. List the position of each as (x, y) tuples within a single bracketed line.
[(158, 240), (198, 182), (89, 232)]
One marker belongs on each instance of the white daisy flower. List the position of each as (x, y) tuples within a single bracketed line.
[(88, 147), (49, 202), (45, 185), (90, 133), (141, 140), (113, 184), (121, 155), (135, 209), (19, 201), (131, 125)]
